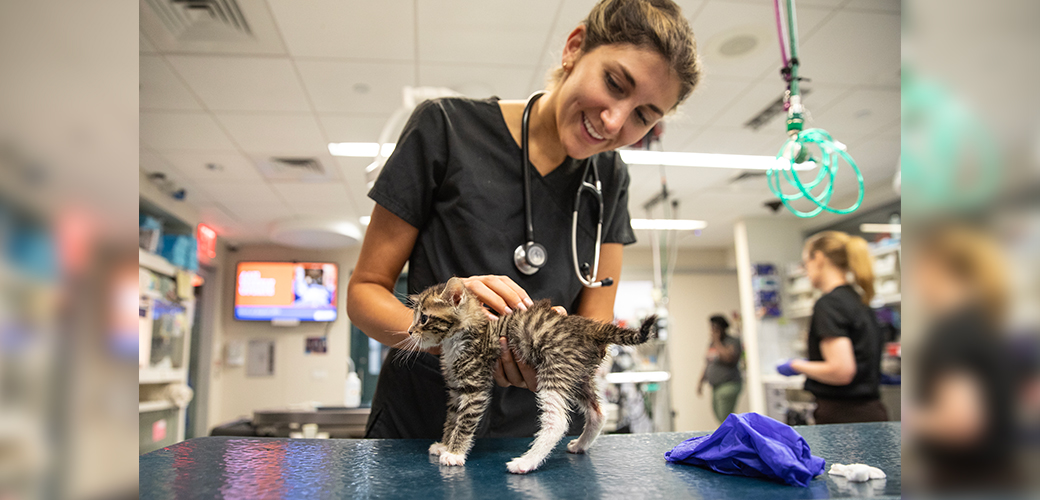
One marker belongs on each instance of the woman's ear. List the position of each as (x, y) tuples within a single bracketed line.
[(572, 48)]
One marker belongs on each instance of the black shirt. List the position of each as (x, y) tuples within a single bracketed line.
[(456, 175), (841, 313)]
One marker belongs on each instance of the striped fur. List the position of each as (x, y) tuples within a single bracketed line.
[(564, 350)]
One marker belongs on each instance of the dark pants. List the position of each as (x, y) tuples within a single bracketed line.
[(849, 411)]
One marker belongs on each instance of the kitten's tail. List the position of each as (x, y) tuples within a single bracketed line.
[(612, 334)]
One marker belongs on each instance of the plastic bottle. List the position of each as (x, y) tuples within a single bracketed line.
[(353, 392)]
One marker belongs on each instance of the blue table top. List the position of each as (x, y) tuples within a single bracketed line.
[(617, 466)]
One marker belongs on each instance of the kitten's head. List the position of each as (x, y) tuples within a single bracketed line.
[(442, 311)]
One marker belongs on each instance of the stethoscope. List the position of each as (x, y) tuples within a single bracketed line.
[(530, 257)]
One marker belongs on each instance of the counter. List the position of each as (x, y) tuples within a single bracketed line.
[(617, 466)]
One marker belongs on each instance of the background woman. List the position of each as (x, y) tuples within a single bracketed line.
[(845, 341), (722, 370)]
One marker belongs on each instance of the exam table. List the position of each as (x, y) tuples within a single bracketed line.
[(617, 466)]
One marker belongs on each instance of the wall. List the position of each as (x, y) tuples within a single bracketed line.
[(298, 377)]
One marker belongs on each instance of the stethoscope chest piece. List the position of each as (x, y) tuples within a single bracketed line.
[(529, 257)]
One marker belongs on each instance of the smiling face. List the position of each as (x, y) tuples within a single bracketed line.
[(612, 96)]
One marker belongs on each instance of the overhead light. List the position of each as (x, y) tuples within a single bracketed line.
[(669, 224), (361, 149), (880, 228), (710, 160), (365, 219)]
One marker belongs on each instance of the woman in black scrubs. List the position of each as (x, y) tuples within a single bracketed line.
[(845, 342), (449, 202)]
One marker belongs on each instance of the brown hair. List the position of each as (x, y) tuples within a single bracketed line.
[(655, 24), (848, 253), (973, 257)]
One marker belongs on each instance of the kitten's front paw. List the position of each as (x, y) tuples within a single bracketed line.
[(437, 449), (521, 465), (572, 447), (449, 458)]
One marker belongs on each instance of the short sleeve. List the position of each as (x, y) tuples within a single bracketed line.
[(408, 182), (619, 226), (828, 320)]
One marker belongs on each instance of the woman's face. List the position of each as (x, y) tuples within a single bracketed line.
[(813, 263), (612, 97)]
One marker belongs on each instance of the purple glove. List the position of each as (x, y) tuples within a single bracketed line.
[(786, 370)]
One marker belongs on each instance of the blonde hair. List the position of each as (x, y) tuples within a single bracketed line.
[(973, 257), (658, 25), (848, 253)]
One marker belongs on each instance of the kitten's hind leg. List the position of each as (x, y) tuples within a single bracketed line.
[(553, 420), (594, 418)]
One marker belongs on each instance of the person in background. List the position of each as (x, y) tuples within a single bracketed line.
[(845, 342), (961, 419), (722, 370)]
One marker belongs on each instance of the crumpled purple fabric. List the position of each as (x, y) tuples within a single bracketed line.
[(753, 445)]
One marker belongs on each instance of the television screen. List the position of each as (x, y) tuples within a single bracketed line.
[(266, 291)]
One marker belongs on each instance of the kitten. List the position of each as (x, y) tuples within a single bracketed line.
[(565, 351)]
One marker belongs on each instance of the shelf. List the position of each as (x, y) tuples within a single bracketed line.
[(147, 406), (156, 263), (636, 377), (161, 376)]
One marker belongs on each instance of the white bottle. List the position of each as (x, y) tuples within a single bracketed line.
[(353, 392)]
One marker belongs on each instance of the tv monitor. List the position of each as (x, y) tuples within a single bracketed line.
[(269, 291)]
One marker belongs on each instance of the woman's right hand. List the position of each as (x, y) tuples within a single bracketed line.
[(500, 293)]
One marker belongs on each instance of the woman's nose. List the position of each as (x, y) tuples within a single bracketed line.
[(613, 119)]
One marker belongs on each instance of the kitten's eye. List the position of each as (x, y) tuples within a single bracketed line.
[(423, 319)]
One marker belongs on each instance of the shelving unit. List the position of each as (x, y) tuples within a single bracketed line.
[(162, 422)]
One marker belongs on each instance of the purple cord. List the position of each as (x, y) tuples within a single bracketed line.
[(780, 32)]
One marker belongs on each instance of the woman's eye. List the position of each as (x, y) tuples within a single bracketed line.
[(423, 318), (642, 117), (612, 84)]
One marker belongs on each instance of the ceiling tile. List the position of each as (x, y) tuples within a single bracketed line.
[(243, 194), (719, 24), (214, 37), (892, 6), (356, 127), (757, 97), (275, 133), (476, 81), (351, 87), (355, 30), (712, 95), (182, 130), (161, 89), (483, 32), (737, 141), (146, 46), (861, 113), (243, 83), (852, 48), (308, 198), (230, 166)]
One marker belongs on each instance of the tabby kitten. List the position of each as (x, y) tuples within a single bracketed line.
[(565, 351)]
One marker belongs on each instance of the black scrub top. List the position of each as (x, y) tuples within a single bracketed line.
[(456, 175), (841, 313)]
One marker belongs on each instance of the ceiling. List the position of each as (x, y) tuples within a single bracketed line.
[(325, 71)]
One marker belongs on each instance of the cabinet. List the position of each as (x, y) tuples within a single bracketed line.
[(167, 309)]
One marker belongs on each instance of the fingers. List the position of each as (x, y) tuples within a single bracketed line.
[(511, 371), (530, 376), (500, 376), (523, 298), (499, 293), (560, 310)]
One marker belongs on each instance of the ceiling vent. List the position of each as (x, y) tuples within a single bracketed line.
[(775, 108), (202, 20), (293, 169)]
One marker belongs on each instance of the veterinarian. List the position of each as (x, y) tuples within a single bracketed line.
[(450, 202), (722, 368), (845, 343)]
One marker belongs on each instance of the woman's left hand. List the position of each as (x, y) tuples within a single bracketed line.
[(511, 371)]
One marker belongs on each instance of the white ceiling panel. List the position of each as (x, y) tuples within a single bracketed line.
[(852, 48), (228, 166), (354, 127), (275, 133), (324, 199), (243, 83), (183, 130), (761, 95), (161, 89), (481, 32), (353, 87), (146, 46), (237, 194), (860, 114), (891, 6), (208, 37), (712, 95), (478, 81), (737, 141), (351, 30), (718, 23)]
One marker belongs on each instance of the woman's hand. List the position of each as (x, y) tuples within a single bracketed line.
[(500, 293), (511, 371)]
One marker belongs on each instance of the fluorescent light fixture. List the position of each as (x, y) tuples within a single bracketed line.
[(669, 224), (361, 149), (880, 228), (365, 219)]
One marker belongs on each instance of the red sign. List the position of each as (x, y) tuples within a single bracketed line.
[(207, 243)]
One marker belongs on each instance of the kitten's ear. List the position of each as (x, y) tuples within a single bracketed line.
[(453, 291)]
